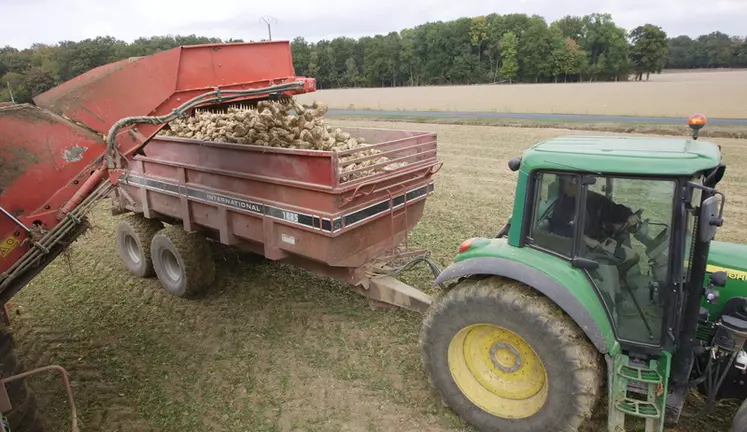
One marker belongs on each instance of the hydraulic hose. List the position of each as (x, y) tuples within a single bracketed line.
[(50, 239), (209, 97), (83, 203)]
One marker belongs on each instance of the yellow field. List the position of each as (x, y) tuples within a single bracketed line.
[(270, 347), (676, 93)]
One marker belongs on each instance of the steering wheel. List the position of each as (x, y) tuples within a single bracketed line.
[(626, 225)]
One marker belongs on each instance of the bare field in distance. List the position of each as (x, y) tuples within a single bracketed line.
[(271, 348), (720, 93)]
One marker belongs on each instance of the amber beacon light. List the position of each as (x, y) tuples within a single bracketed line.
[(696, 122)]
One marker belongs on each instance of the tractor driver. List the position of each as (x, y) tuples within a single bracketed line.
[(601, 214)]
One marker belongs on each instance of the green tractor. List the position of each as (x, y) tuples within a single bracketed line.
[(543, 314)]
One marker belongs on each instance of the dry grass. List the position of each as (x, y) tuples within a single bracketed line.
[(715, 94), (711, 131), (271, 347)]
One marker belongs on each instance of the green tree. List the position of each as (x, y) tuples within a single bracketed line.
[(535, 51), (313, 63), (37, 81), (568, 58), (617, 64), (649, 50), (352, 75), (16, 83), (391, 51), (558, 53), (340, 50), (411, 60), (509, 53), (478, 34), (301, 52), (570, 27), (495, 31), (741, 58), (681, 52), (462, 51), (604, 43)]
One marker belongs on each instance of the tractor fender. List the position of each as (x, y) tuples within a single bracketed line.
[(537, 280)]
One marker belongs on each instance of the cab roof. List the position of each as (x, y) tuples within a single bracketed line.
[(615, 154)]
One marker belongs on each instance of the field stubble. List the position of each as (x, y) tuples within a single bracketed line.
[(271, 347), (715, 94)]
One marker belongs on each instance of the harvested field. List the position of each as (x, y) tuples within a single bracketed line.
[(271, 347), (676, 94)]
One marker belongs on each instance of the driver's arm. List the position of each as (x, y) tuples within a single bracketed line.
[(591, 243)]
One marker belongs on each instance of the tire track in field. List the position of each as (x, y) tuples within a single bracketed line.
[(105, 407)]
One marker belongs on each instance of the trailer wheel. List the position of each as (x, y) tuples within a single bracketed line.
[(134, 235), (505, 358), (23, 417), (183, 262)]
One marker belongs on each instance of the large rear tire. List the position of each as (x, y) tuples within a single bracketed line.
[(134, 235), (505, 358), (183, 262), (23, 417), (739, 424)]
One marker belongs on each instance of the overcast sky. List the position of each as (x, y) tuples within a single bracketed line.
[(23, 22)]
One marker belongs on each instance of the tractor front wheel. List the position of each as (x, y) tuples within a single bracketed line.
[(183, 261), (505, 358)]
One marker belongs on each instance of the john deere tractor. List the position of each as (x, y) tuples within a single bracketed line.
[(606, 278)]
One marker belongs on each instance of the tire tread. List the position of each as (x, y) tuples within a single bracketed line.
[(196, 255), (588, 375), (144, 230), (739, 423)]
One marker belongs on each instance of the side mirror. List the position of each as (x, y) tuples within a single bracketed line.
[(718, 279), (710, 219)]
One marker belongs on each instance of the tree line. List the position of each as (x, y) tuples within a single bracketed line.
[(486, 49)]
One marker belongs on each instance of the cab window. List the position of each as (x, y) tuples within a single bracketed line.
[(628, 233), (554, 213)]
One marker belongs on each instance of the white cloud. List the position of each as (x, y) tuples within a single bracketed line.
[(48, 21)]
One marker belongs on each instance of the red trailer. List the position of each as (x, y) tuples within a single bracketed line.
[(288, 205), (95, 137)]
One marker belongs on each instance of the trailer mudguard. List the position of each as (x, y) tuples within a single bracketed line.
[(537, 280)]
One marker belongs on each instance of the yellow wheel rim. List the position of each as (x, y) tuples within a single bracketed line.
[(498, 371)]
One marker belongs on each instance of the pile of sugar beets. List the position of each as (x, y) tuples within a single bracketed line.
[(272, 123)]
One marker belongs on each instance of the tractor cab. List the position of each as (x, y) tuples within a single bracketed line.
[(608, 245), (625, 244), (622, 210)]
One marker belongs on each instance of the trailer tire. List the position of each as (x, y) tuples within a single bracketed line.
[(506, 358), (24, 416), (134, 236), (183, 261)]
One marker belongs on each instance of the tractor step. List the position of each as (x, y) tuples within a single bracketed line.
[(638, 390), (638, 408), (640, 374)]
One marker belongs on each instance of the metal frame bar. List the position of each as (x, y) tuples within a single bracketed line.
[(14, 219)]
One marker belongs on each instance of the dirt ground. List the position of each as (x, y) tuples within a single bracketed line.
[(675, 94), (271, 347)]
